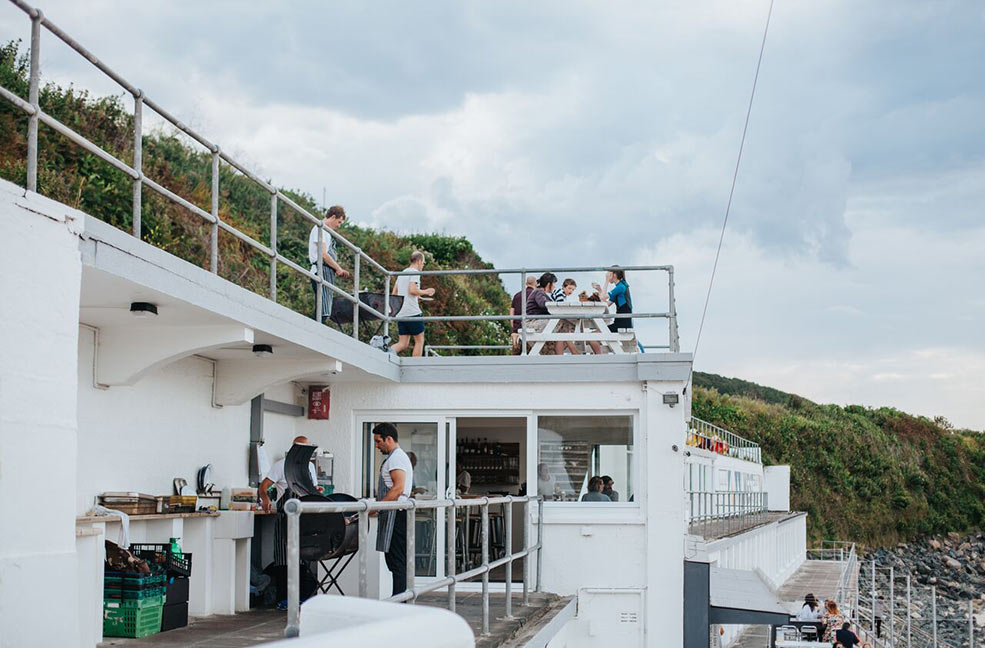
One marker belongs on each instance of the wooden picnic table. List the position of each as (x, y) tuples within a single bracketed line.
[(588, 318)]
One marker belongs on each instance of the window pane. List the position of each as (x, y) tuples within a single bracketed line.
[(573, 449)]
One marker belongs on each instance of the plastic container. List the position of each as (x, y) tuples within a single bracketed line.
[(148, 601), (133, 581), (160, 554), (174, 616), (112, 593), (121, 620)]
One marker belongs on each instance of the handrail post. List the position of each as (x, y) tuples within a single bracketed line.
[(355, 293), (32, 98), (933, 608), (508, 514), (675, 344), (523, 313), (485, 564), (526, 546), (364, 552), (411, 546), (273, 246), (873, 595), (293, 510), (320, 283), (892, 606), (971, 624), (138, 162), (540, 541), (450, 549), (214, 256), (386, 320), (909, 615)]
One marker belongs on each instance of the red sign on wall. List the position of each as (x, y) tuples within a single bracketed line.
[(319, 402)]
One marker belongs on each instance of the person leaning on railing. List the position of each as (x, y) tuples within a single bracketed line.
[(334, 218)]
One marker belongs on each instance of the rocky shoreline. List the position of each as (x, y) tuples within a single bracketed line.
[(952, 563)]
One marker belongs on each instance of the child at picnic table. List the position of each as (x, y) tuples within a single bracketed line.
[(560, 296)]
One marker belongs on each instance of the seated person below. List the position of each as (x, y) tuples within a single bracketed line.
[(594, 493)]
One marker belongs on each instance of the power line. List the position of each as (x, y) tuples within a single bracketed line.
[(731, 193)]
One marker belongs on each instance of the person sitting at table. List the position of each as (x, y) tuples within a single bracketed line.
[(619, 295), (811, 610), (607, 483), (546, 485), (537, 305), (559, 296), (832, 620), (595, 493), (516, 307)]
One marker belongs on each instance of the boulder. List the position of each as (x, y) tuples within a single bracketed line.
[(952, 563), (935, 544), (953, 536)]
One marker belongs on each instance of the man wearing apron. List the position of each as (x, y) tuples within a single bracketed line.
[(396, 477)]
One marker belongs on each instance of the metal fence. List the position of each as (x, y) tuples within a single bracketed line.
[(361, 260), (718, 513), (705, 435), (295, 508)]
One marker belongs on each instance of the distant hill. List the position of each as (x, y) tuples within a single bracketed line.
[(875, 475)]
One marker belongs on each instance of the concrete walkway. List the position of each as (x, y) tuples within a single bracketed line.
[(264, 625), (818, 577)]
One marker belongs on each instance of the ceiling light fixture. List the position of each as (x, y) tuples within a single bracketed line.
[(143, 309), (263, 350)]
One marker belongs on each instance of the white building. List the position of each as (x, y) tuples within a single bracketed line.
[(106, 401)]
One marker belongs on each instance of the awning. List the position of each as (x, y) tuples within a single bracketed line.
[(725, 596), (741, 596)]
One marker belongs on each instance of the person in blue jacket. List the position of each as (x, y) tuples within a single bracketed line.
[(619, 295)]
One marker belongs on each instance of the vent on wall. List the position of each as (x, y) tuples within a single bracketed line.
[(628, 617)]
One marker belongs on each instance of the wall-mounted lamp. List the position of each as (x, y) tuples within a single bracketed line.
[(263, 350), (671, 398), (143, 309)]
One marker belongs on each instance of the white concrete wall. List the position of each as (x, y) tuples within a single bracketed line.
[(41, 271), (776, 483)]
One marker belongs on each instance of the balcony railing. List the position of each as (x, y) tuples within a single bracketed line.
[(707, 436), (294, 509), (720, 513), (362, 262)]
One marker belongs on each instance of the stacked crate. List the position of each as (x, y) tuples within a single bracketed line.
[(132, 604), (177, 569)]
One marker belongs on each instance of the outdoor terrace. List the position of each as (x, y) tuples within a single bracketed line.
[(360, 307)]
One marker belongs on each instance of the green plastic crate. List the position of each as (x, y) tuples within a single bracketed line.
[(148, 601), (116, 593), (122, 621)]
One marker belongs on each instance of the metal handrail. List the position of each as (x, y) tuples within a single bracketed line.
[(135, 171), (725, 512), (295, 508), (702, 433)]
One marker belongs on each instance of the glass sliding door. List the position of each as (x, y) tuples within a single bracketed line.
[(421, 440)]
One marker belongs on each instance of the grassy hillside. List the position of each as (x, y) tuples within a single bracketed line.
[(875, 475), (68, 174)]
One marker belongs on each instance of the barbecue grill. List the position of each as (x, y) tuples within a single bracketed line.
[(330, 539), (342, 308)]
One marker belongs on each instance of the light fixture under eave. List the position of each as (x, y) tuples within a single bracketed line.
[(263, 350), (143, 309)]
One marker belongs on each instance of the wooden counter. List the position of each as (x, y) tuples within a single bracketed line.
[(95, 519)]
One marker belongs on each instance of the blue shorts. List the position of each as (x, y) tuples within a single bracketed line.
[(410, 328)]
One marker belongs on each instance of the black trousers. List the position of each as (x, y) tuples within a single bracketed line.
[(396, 558), (879, 627)]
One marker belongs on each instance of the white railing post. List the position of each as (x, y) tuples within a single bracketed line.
[(357, 257), (508, 540), (892, 606), (526, 545), (540, 542), (273, 246), (933, 610), (293, 510), (138, 163), (320, 282), (363, 551), (675, 345), (450, 550), (214, 256), (523, 313), (873, 595), (411, 516), (909, 614), (971, 624), (32, 98), (388, 314), (484, 535)]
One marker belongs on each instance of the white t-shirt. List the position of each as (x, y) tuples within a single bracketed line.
[(411, 305), (397, 460), (276, 475), (327, 240)]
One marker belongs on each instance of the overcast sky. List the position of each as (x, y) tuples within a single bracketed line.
[(583, 133)]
